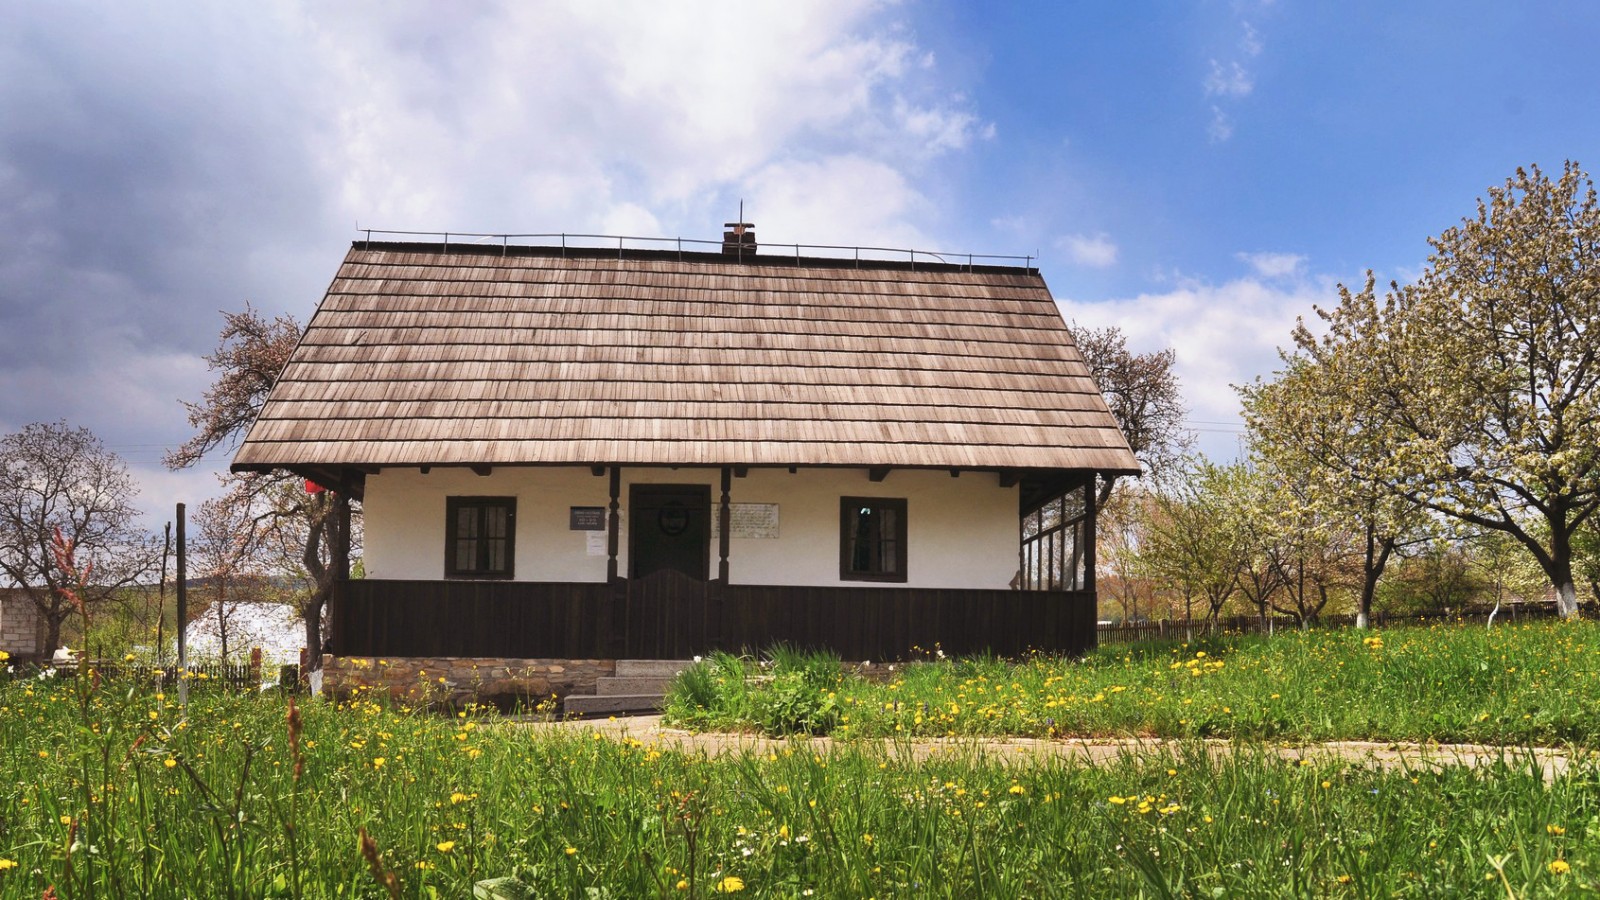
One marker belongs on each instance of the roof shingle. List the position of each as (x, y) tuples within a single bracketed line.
[(422, 356)]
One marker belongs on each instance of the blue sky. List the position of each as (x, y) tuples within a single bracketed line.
[(1199, 174)]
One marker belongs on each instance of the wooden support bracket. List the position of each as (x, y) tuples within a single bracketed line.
[(877, 473)]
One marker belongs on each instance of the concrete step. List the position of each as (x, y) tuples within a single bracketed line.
[(606, 685), (651, 668), (612, 704)]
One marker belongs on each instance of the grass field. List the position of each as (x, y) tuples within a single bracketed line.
[(1514, 684), (113, 791)]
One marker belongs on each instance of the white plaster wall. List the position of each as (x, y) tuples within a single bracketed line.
[(403, 520), (961, 532)]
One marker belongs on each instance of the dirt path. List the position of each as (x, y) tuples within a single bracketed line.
[(1553, 762)]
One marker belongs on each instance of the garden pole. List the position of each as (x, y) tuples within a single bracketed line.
[(183, 615)]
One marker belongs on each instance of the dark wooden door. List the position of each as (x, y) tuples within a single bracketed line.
[(669, 528)]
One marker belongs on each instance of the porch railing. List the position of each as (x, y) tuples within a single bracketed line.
[(670, 616)]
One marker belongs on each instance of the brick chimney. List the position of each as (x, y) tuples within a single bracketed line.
[(739, 240)]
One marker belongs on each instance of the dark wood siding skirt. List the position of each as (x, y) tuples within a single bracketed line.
[(673, 616)]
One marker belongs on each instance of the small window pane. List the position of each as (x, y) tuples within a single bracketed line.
[(480, 536), (872, 539)]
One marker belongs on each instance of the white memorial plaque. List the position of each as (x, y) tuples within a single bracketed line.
[(757, 521), (597, 545)]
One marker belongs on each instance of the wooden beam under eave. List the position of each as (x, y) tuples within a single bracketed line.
[(877, 473), (1010, 479), (482, 470), (342, 480)]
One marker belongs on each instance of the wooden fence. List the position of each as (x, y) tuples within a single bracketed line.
[(240, 677), (1189, 629)]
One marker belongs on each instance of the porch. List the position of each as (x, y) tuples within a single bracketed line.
[(669, 615)]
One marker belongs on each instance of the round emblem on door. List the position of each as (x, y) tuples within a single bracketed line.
[(673, 519)]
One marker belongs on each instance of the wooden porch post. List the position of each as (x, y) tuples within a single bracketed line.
[(614, 524), (339, 549), (1089, 537), (722, 521)]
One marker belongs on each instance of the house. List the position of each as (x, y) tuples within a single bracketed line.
[(592, 454)]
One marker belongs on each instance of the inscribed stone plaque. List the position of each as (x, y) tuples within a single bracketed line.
[(587, 518), (747, 520)]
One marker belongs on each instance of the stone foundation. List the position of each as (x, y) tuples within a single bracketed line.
[(458, 681)]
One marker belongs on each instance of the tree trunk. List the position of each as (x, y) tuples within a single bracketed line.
[(331, 524), (1560, 570), (1567, 599), (1377, 558), (312, 616), (52, 637), (312, 612)]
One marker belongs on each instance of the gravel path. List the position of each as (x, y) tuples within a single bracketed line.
[(1553, 762)]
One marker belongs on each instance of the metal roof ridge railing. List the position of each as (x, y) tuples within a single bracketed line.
[(560, 239)]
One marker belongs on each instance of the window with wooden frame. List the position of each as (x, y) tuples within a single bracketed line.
[(1054, 541), (872, 539), (480, 534)]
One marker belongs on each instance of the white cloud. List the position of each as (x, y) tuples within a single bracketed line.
[(165, 162), (1223, 334), (1251, 42), (1228, 81), (844, 199), (1221, 127), (1274, 265), (1096, 251), (549, 117), (941, 129)]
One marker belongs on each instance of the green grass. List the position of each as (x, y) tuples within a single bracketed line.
[(1514, 684), (93, 808)]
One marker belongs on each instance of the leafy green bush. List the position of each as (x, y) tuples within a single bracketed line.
[(792, 691), (709, 693)]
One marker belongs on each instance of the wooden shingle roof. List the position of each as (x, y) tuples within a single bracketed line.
[(422, 355)]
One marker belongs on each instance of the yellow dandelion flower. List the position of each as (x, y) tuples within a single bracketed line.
[(170, 763), (445, 846), (1559, 867), (683, 884), (1018, 789), (458, 797), (378, 761), (7, 863), (571, 850), (1118, 800), (730, 885), (1555, 830)]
